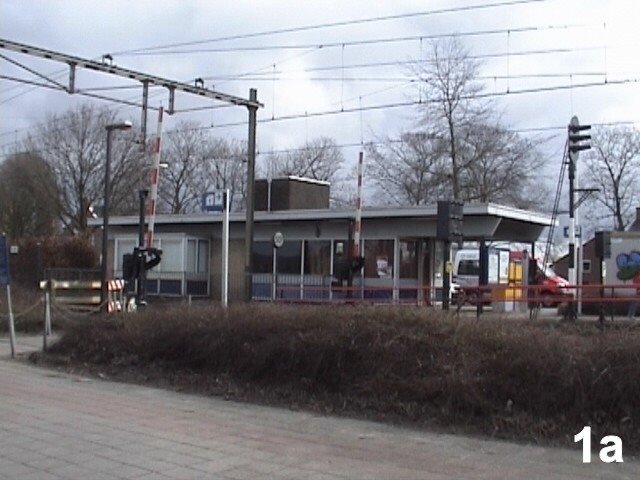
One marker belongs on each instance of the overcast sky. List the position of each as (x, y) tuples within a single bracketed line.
[(599, 40)]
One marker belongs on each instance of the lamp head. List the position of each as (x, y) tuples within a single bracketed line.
[(126, 125)]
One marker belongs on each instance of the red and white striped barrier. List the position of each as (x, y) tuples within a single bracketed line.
[(154, 179), (115, 285), (115, 291)]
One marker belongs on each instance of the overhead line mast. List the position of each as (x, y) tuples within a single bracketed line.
[(107, 66)]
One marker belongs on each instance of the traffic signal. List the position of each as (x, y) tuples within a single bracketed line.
[(129, 266), (603, 244), (449, 220), (455, 220), (576, 139)]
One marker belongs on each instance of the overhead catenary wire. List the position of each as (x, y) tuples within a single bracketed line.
[(307, 114), (407, 81), (415, 78), (271, 75), (220, 79), (361, 42), (344, 78), (433, 100), (342, 23), (129, 104), (343, 67), (398, 63)]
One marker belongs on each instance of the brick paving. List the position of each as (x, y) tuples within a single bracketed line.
[(59, 426)]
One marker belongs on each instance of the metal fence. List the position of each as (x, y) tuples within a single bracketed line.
[(325, 289), (610, 299)]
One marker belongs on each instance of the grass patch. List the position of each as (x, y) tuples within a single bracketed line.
[(538, 382)]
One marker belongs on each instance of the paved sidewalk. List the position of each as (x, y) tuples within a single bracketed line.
[(25, 344), (54, 425)]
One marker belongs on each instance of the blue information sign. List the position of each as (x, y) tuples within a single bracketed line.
[(4, 261)]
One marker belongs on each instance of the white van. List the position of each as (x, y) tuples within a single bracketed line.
[(466, 271), (466, 266)]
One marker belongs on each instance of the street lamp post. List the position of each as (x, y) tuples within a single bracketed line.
[(126, 125)]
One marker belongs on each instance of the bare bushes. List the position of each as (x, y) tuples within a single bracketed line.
[(512, 379)]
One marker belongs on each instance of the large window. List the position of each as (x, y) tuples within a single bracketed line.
[(288, 257), (378, 256), (262, 257), (317, 257), (203, 256), (192, 254), (171, 255), (197, 256)]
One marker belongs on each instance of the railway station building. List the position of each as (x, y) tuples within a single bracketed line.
[(403, 261)]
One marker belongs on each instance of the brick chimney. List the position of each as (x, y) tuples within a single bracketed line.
[(292, 193)]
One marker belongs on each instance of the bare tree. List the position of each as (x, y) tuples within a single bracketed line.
[(74, 146), (501, 167), (613, 165), (181, 184), (411, 171), (224, 167), (28, 196), (462, 151), (197, 163), (453, 104), (319, 159)]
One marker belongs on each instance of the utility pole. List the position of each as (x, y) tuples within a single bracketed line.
[(572, 234), (448, 229), (574, 146), (105, 214), (251, 172), (224, 293)]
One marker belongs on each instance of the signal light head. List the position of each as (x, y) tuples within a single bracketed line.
[(575, 138)]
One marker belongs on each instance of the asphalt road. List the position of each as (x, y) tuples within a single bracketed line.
[(55, 425)]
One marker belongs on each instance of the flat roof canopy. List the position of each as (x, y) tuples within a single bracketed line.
[(488, 221)]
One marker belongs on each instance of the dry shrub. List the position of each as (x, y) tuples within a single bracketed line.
[(35, 255), (511, 379), (28, 310)]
